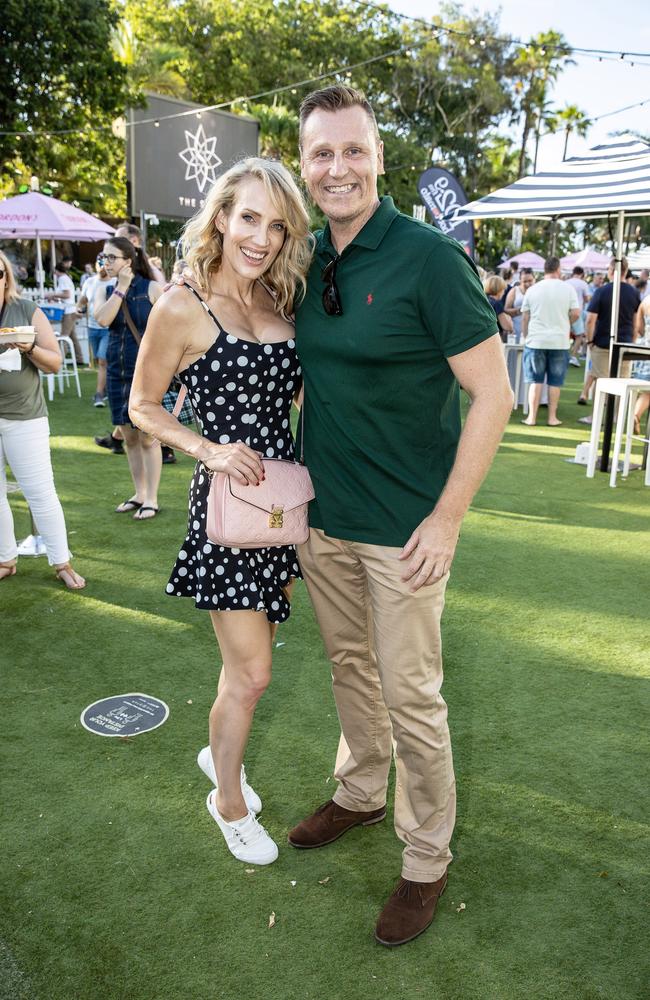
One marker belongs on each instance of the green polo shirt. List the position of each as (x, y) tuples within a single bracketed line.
[(382, 406)]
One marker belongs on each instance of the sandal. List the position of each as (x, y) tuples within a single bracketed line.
[(127, 506), (70, 578), (7, 570), (141, 516)]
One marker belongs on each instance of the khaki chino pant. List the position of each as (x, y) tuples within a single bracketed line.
[(384, 644)]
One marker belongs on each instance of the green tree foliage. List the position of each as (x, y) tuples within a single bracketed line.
[(534, 68), (570, 120), (244, 47), (443, 90), (59, 72), (156, 66)]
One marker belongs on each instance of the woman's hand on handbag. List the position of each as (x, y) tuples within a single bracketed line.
[(236, 460)]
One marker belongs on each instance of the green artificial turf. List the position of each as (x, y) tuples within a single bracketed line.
[(116, 883)]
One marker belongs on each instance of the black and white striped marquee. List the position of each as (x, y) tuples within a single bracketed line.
[(611, 178)]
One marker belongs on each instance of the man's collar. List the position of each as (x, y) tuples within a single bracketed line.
[(371, 235)]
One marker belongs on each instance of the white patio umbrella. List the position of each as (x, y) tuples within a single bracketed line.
[(612, 179), (637, 261), (589, 259), (526, 259), (35, 216)]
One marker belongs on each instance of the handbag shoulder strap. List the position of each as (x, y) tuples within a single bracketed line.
[(180, 399), (131, 325)]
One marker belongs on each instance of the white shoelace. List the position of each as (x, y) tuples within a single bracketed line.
[(250, 830), (247, 831)]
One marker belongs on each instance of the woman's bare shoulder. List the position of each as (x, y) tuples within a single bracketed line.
[(176, 303)]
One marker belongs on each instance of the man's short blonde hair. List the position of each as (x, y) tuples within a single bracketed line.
[(336, 98)]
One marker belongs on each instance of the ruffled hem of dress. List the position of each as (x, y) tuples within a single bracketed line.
[(263, 593)]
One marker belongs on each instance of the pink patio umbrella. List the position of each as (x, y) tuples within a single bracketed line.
[(35, 216), (591, 260), (526, 259)]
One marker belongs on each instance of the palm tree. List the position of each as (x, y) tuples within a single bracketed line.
[(535, 67), (545, 118), (571, 119), (153, 66)]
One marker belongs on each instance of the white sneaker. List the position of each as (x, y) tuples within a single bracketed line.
[(574, 361), (246, 838), (251, 798)]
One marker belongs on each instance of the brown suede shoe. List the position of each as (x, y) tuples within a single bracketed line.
[(330, 822), (409, 911)]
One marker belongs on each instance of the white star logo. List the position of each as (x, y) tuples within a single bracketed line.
[(200, 158)]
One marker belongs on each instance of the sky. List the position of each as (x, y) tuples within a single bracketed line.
[(596, 87)]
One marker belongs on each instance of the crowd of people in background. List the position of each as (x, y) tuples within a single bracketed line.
[(25, 432), (565, 320), (561, 319)]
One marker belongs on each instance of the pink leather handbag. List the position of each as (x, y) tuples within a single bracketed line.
[(256, 517)]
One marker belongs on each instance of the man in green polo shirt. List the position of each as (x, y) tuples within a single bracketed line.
[(393, 320)]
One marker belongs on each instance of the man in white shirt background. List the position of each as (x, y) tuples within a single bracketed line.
[(548, 310), (64, 292)]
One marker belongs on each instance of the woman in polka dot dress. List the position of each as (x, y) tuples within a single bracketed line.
[(227, 335)]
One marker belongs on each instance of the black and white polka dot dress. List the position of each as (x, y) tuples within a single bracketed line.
[(240, 391)]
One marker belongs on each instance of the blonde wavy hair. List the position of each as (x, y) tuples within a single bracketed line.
[(494, 285), (202, 243), (11, 288)]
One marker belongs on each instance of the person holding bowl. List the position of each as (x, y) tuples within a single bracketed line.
[(25, 432)]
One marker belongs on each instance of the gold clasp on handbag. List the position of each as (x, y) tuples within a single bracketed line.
[(276, 517)]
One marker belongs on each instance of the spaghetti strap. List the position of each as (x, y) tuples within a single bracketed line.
[(205, 306)]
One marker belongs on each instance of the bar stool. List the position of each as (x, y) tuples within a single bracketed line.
[(627, 390), (514, 354), (55, 315), (630, 436), (69, 362)]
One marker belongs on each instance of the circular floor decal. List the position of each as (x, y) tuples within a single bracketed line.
[(124, 715)]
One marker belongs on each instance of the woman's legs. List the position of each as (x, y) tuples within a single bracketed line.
[(273, 626), (244, 638), (26, 445), (145, 462), (642, 404), (8, 547), (101, 376), (152, 466), (131, 438)]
